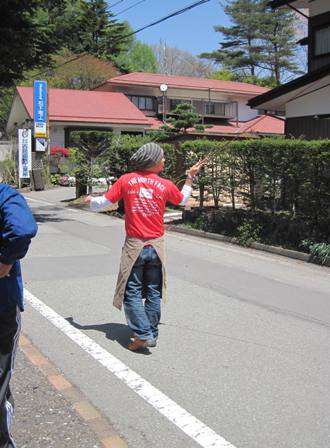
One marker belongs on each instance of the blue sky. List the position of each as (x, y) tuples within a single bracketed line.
[(191, 31)]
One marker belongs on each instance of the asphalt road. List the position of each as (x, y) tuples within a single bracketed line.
[(244, 342)]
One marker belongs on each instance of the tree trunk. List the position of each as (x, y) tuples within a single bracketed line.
[(252, 183), (201, 195), (90, 180), (81, 186), (179, 162), (274, 196), (232, 191)]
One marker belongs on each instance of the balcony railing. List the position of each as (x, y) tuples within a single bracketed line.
[(204, 108)]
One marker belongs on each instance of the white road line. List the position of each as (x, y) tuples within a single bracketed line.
[(38, 200), (54, 203), (189, 424)]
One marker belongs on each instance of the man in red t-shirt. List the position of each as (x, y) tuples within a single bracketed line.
[(142, 271)]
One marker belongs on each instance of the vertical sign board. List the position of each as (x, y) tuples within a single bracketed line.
[(40, 108), (24, 153)]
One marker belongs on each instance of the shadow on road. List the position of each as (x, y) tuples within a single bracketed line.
[(48, 217), (115, 332)]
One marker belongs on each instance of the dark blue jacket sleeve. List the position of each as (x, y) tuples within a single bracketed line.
[(18, 225)]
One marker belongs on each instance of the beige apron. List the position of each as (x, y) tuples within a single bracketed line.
[(131, 250)]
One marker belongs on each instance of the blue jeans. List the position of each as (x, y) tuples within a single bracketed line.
[(146, 279)]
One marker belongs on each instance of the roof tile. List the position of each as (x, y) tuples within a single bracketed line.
[(87, 106), (187, 82)]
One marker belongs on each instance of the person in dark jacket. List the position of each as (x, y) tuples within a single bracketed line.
[(17, 227)]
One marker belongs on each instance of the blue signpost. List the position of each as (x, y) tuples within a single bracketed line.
[(40, 108)]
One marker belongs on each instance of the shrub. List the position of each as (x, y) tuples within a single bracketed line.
[(8, 171), (247, 232), (55, 178), (279, 229), (319, 251)]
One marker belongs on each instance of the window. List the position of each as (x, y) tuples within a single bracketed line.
[(218, 109), (135, 100), (149, 103), (209, 109), (322, 41), (142, 102)]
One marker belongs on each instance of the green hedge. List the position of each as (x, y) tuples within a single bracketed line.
[(272, 174)]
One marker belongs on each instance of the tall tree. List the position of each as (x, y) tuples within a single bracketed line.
[(172, 61), (278, 34), (240, 49), (259, 42), (27, 42), (138, 58), (70, 71), (227, 75), (99, 33)]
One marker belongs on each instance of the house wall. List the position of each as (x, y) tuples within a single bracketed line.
[(315, 103), (308, 128), (17, 117), (57, 136), (245, 113)]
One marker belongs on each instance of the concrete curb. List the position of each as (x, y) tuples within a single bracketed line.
[(254, 245), (89, 414)]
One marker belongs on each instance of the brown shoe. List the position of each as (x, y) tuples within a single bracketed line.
[(137, 344)]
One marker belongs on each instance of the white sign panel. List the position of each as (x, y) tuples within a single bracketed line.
[(24, 153), (41, 144)]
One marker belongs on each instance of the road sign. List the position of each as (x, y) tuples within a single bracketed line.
[(40, 108), (24, 153), (41, 144)]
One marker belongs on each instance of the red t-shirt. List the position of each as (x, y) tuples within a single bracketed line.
[(145, 195)]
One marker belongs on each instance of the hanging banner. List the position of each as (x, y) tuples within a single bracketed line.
[(41, 144), (40, 108), (24, 153)]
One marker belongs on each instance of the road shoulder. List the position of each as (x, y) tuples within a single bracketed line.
[(50, 411)]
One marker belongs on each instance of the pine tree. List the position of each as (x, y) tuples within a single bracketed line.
[(261, 42), (99, 33), (279, 42), (240, 48)]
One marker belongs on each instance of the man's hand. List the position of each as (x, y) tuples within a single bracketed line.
[(88, 199), (5, 269), (195, 169)]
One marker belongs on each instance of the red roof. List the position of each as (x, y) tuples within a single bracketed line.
[(187, 82), (263, 125), (87, 106)]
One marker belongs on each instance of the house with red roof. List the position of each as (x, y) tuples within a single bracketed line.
[(222, 104), (140, 102), (70, 110), (305, 101)]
